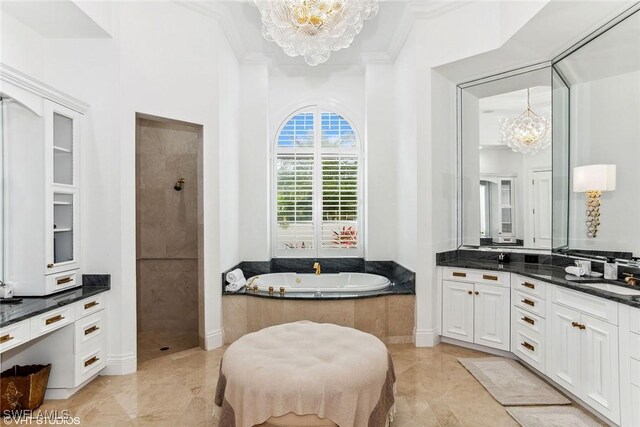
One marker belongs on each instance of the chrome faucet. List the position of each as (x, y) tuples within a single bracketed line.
[(316, 267)]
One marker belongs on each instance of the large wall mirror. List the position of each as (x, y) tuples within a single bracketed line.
[(505, 131), (596, 108)]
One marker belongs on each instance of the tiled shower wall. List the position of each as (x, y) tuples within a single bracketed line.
[(167, 227)]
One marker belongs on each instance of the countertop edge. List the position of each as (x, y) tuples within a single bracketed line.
[(88, 292)]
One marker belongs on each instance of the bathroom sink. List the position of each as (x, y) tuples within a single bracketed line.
[(614, 289)]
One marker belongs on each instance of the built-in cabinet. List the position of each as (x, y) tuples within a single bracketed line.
[(476, 307), (42, 238), (587, 345), (72, 338)]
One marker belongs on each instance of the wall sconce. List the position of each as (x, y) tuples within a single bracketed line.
[(593, 180)]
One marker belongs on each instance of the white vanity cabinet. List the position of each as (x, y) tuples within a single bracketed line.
[(42, 219), (476, 307), (72, 338), (582, 353)]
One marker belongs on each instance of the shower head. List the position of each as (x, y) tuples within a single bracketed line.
[(178, 186)]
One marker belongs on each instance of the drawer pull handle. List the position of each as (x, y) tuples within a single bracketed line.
[(91, 330), (63, 281), (477, 293), (5, 338), (54, 319), (488, 277), (88, 305), (456, 274), (528, 346), (528, 302), (578, 325), (91, 361), (528, 320), (528, 285), (470, 292)]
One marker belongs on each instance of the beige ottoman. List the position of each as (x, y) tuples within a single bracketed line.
[(306, 374)]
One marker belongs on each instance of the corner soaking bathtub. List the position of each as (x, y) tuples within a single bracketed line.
[(340, 282)]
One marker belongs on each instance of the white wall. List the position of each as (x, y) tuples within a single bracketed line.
[(605, 130), (21, 47), (229, 143)]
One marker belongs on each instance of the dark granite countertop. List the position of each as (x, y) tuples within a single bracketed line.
[(547, 273), (391, 290), (32, 306)]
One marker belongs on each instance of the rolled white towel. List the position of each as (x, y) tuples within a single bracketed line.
[(235, 276), (236, 286), (576, 271)]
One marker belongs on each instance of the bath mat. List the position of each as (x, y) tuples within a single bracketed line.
[(551, 416), (511, 384)]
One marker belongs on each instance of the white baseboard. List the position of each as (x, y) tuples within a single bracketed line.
[(118, 364), (65, 393), (425, 338), (213, 340)]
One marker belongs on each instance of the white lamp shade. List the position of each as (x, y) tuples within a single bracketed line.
[(594, 178)]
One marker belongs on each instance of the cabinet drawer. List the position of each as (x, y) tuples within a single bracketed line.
[(89, 306), (635, 372), (14, 335), (60, 281), (634, 320), (595, 306), (89, 363), (529, 303), (499, 278), (88, 331), (529, 346), (634, 345), (528, 286), (52, 320), (527, 320)]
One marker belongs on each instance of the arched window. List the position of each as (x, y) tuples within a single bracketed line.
[(317, 197)]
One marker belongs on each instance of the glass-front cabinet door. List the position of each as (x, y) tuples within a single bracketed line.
[(61, 175), (507, 232)]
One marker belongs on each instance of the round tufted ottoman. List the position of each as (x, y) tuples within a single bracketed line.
[(306, 374)]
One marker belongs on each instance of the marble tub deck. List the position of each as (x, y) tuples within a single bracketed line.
[(433, 389)]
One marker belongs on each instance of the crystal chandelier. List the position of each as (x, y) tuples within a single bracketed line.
[(528, 133), (314, 28)]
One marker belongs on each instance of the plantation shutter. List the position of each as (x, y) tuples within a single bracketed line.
[(317, 186), (340, 176), (294, 184)]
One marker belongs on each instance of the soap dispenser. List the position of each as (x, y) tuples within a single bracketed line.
[(611, 269)]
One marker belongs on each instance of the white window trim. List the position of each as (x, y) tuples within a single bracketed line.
[(317, 251)]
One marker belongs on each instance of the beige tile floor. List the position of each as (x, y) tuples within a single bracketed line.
[(150, 343), (177, 389)]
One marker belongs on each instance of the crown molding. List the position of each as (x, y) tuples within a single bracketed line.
[(415, 11), (221, 14), (419, 11), (318, 70), (258, 58), (13, 77), (374, 58)]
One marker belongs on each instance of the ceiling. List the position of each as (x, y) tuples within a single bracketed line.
[(379, 36)]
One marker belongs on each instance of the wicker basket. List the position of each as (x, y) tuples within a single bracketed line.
[(23, 387)]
